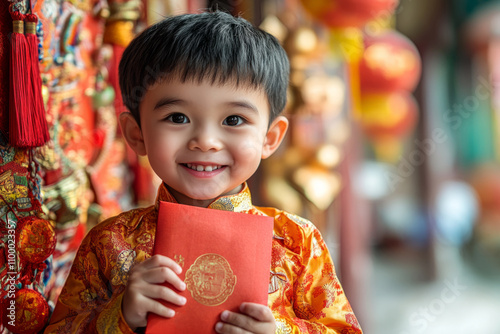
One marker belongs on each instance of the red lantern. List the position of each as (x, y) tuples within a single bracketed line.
[(348, 13), (388, 115), (390, 62), (36, 239), (27, 313)]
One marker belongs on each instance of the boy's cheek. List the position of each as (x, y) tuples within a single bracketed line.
[(251, 148)]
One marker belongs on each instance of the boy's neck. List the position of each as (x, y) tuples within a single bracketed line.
[(183, 199)]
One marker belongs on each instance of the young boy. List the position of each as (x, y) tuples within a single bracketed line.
[(204, 92)]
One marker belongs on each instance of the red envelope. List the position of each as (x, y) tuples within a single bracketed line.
[(226, 260)]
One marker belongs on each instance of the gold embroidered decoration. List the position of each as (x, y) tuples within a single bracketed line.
[(223, 204), (210, 279), (299, 220), (119, 273), (180, 260)]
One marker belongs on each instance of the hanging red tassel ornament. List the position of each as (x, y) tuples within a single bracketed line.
[(20, 121), (40, 129), (27, 313)]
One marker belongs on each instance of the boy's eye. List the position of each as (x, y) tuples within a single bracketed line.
[(178, 118), (233, 120)]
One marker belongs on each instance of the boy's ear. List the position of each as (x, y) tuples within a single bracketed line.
[(132, 133), (274, 136)]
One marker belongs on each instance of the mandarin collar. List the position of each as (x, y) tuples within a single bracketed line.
[(239, 202)]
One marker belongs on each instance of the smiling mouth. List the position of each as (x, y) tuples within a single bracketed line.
[(202, 168)]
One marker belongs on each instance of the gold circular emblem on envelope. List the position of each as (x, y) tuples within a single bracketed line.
[(210, 279)]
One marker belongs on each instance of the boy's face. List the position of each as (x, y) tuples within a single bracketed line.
[(204, 140)]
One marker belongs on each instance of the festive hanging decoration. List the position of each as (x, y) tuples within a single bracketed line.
[(56, 51), (388, 114), (27, 313), (386, 119), (303, 42), (19, 110), (390, 62), (36, 239), (40, 132), (27, 122), (348, 13), (319, 185), (26, 310), (389, 70)]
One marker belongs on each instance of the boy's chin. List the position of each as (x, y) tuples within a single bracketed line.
[(210, 196), (202, 196)]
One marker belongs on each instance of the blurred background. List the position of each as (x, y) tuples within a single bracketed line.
[(393, 149)]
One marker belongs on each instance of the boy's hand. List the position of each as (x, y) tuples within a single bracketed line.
[(144, 287), (254, 318)]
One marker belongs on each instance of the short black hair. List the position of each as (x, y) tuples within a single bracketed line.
[(210, 45)]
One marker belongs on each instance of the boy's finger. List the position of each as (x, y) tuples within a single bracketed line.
[(257, 311), (156, 307), (162, 261), (224, 328), (162, 292), (240, 320), (162, 275), (137, 315)]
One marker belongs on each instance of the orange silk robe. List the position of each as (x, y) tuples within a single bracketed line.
[(305, 295)]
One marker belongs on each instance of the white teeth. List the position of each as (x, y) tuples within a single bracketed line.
[(201, 168)]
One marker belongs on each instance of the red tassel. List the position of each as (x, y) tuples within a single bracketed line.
[(40, 128), (20, 121)]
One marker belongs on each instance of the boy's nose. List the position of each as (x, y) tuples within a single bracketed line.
[(205, 141)]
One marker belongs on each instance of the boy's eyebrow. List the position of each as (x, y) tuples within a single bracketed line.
[(168, 101), (244, 104), (237, 104)]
